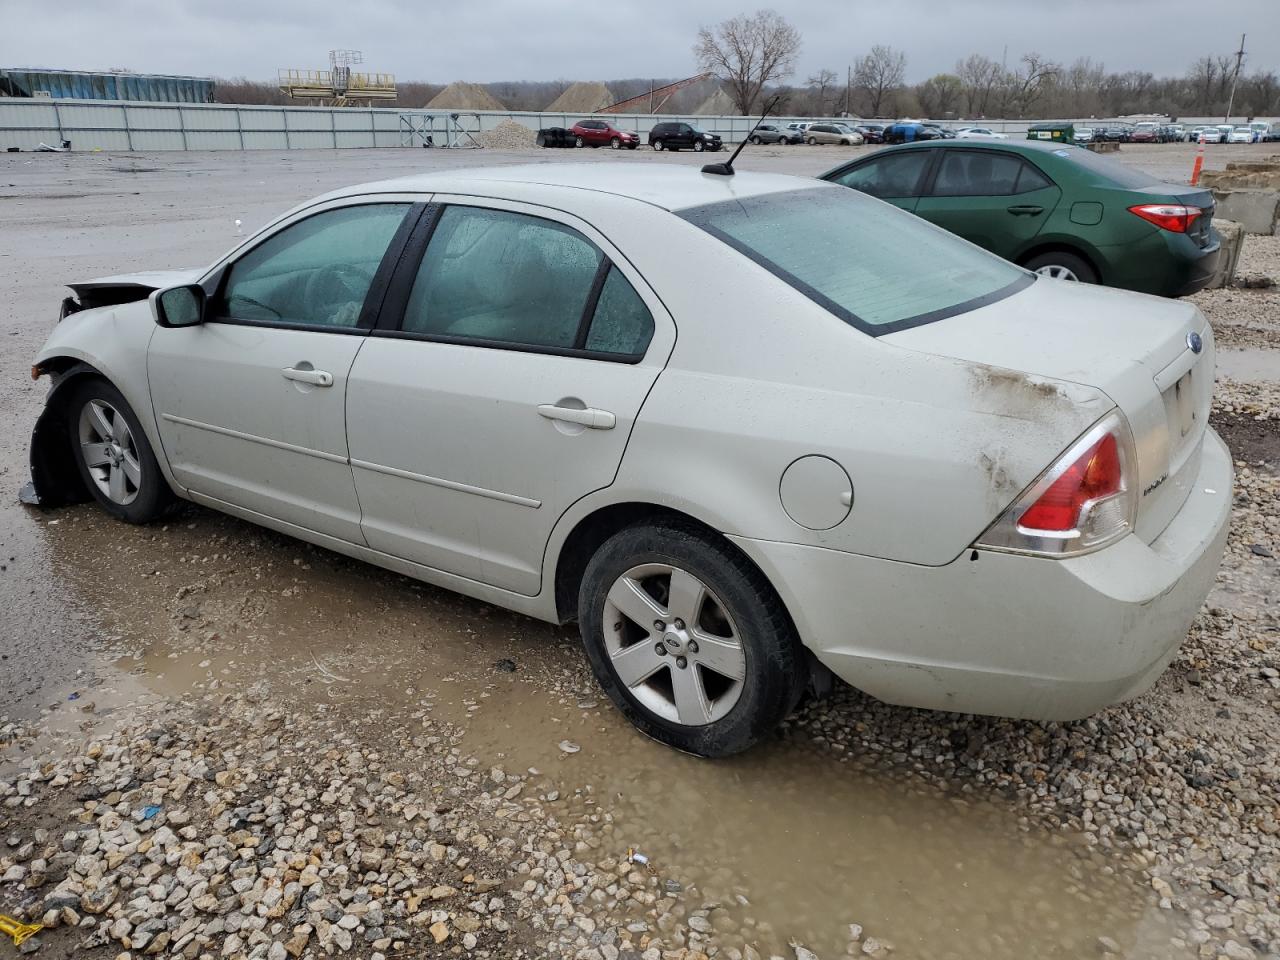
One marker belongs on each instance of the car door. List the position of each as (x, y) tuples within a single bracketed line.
[(994, 199), (250, 403), (501, 386), (893, 176)]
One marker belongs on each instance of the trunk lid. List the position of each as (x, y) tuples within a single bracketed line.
[(1134, 348)]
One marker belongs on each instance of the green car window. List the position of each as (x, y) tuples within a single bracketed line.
[(976, 173), (890, 177), (1031, 179)]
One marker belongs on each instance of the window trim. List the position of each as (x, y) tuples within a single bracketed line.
[(391, 317), (216, 283), (696, 217)]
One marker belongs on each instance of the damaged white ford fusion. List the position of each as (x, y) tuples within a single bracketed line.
[(748, 431)]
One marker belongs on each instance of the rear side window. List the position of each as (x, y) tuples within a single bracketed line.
[(973, 173), (893, 270), (509, 279), (316, 271), (890, 177)]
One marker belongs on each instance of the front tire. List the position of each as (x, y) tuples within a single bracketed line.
[(1062, 265), (756, 141), (113, 454), (689, 639), (698, 146), (659, 145), (615, 143), (813, 142)]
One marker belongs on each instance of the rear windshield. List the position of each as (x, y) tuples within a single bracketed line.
[(874, 266), (1118, 173)]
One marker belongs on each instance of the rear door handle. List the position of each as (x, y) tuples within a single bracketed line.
[(590, 417), (1026, 210), (317, 378)]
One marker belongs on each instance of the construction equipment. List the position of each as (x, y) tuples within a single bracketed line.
[(659, 94), (338, 86), (418, 128), (20, 932)]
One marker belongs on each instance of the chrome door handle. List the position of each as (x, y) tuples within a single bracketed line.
[(590, 417), (317, 378)]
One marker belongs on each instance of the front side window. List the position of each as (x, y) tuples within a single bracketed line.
[(894, 269), (893, 176), (316, 272)]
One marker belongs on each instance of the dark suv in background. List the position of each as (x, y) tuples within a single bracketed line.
[(678, 135), (599, 133)]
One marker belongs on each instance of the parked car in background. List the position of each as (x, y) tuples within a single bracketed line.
[(771, 133), (1224, 132), (1172, 133), (1209, 135), (678, 135), (1040, 507), (1260, 129), (1059, 210), (1083, 134), (799, 125), (1117, 133), (602, 133), (1193, 134), (1145, 133), (832, 133), (944, 133), (908, 131), (1240, 135), (871, 132), (979, 133), (1273, 134)]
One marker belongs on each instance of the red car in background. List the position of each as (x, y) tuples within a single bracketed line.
[(599, 133), (1145, 133)]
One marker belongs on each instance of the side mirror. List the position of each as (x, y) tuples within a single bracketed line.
[(179, 306)]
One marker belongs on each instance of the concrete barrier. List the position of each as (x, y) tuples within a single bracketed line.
[(1231, 236), (1256, 210)]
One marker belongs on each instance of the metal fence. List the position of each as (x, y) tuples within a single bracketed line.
[(146, 126)]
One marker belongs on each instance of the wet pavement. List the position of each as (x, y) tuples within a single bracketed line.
[(799, 838)]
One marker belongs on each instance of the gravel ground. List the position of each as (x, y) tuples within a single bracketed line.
[(241, 820)]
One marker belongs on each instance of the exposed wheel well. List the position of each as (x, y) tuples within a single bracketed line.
[(53, 471), (1058, 246)]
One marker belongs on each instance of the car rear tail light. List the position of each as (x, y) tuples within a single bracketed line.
[(1087, 499), (1167, 216)]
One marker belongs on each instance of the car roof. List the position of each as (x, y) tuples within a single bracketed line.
[(1030, 146), (666, 185)]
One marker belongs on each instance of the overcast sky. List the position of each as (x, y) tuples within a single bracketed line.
[(487, 40)]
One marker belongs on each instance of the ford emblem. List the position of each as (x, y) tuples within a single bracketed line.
[(1194, 342)]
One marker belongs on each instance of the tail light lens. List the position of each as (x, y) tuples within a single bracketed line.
[(1173, 217), (1086, 500)]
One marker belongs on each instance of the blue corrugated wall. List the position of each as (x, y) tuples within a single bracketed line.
[(76, 85)]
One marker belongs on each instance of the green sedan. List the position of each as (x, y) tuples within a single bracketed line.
[(1056, 209)]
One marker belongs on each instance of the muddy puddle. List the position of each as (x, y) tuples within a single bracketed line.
[(1252, 364), (794, 839)]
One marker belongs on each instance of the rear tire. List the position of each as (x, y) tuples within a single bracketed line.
[(579, 142), (1062, 265), (711, 700), (756, 141), (113, 454)]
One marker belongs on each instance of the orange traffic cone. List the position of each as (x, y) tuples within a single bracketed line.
[(1199, 164)]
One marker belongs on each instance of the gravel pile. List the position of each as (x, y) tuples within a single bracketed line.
[(1248, 315), (508, 135)]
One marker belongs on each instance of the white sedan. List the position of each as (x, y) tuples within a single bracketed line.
[(748, 431), (979, 133)]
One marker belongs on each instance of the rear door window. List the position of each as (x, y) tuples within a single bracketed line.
[(976, 173)]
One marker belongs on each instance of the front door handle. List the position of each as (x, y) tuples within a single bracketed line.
[(1026, 210), (317, 378), (590, 417)]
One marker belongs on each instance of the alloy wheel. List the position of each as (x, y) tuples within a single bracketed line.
[(109, 452), (672, 643), (1057, 272)]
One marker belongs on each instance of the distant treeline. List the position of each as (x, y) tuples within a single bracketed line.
[(873, 87)]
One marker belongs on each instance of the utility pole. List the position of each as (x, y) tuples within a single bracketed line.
[(1234, 80), (848, 86)]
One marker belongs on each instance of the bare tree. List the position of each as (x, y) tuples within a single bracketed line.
[(879, 74), (1083, 83), (940, 95), (748, 52), (820, 86), (1027, 85), (978, 75)]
